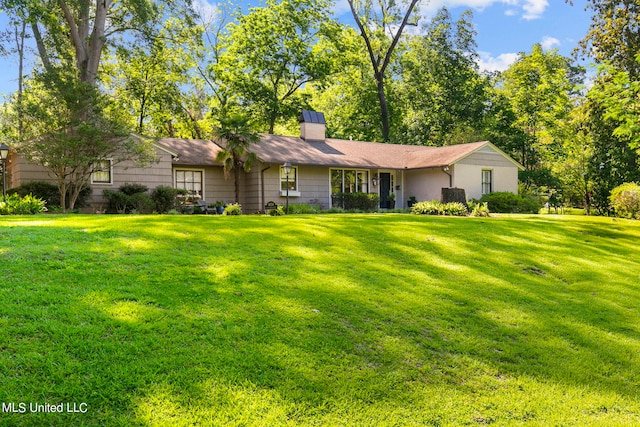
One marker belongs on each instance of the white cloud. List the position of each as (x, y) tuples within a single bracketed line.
[(534, 9), (499, 63), (528, 9), (549, 42), (206, 10)]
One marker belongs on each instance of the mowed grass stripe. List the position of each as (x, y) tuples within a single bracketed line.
[(321, 320)]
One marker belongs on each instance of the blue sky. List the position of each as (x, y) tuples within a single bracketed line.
[(504, 27)]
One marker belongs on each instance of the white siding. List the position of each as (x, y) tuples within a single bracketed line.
[(425, 184), (467, 173)]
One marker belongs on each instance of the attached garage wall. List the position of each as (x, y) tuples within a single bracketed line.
[(425, 184), (468, 173)]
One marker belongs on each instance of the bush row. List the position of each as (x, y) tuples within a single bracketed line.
[(435, 207), (365, 202), (17, 205), (134, 198), (49, 193), (505, 202)]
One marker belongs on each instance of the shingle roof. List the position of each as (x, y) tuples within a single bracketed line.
[(195, 152), (330, 152), (339, 152)]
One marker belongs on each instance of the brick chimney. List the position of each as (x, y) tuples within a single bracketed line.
[(312, 126)]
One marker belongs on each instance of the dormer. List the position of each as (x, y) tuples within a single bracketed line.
[(312, 126)]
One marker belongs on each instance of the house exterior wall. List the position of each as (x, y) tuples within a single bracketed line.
[(425, 184), (314, 187), (215, 185), (128, 172), (19, 171), (468, 173)]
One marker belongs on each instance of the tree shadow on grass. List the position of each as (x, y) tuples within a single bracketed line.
[(338, 320)]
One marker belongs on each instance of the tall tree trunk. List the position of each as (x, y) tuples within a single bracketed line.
[(380, 58), (384, 110), (20, 36), (236, 179)]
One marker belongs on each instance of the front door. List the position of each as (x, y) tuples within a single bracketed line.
[(385, 189)]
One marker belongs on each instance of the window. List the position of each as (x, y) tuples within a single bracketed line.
[(293, 179), (190, 180), (349, 181), (487, 184), (102, 173)]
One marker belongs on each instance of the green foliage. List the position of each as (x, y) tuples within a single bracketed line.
[(439, 68), (236, 135), (479, 209), (278, 211), (141, 203), (267, 61), (49, 193), (300, 208), (118, 201), (68, 128), (233, 209), (613, 36), (133, 188), (22, 205), (362, 202), (165, 198), (625, 200), (506, 202), (381, 25), (539, 87), (435, 207)]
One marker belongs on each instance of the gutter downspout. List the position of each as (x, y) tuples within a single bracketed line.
[(446, 170), (262, 185)]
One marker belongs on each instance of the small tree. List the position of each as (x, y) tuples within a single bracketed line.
[(236, 135), (69, 127)]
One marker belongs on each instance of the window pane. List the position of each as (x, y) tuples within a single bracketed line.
[(336, 181), (349, 181), (293, 179), (363, 181), (102, 172), (190, 181)]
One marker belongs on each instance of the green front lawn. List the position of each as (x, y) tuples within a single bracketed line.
[(320, 320)]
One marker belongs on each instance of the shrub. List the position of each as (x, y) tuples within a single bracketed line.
[(17, 205), (479, 209), (303, 209), (366, 202), (141, 203), (625, 200), (278, 211), (131, 189), (165, 198), (233, 209), (505, 202), (49, 193), (434, 207), (117, 201)]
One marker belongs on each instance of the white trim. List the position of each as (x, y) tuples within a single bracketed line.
[(175, 177), (292, 193), (499, 151)]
